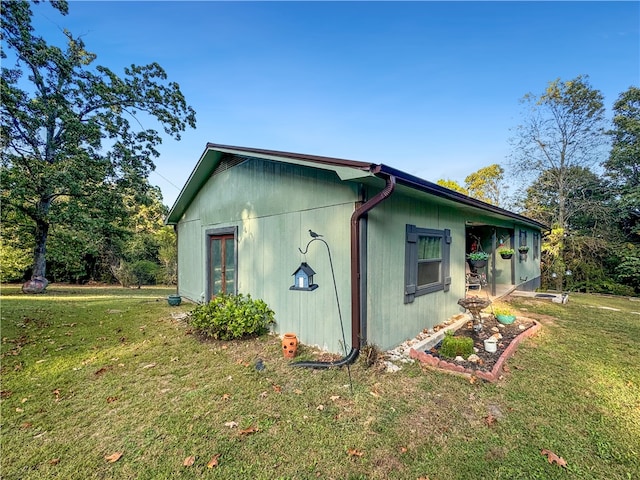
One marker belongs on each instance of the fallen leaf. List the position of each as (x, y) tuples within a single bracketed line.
[(297, 391), (19, 410), (472, 379), (226, 396), (214, 461), (231, 424), (151, 365), (263, 394), (505, 368), (56, 392), (114, 457), (352, 452), (54, 461), (277, 388), (320, 407), (403, 449), (490, 420), (101, 370), (5, 393), (26, 425), (248, 431), (24, 400), (375, 394), (334, 397), (189, 461), (111, 399), (552, 457)]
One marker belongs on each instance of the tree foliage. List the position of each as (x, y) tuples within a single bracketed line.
[(623, 164), (562, 130), (452, 185), (73, 142), (486, 184)]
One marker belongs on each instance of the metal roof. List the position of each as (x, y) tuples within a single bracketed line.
[(345, 169)]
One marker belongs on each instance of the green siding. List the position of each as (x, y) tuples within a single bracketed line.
[(389, 320), (274, 205)]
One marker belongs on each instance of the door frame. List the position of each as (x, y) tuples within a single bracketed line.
[(219, 232)]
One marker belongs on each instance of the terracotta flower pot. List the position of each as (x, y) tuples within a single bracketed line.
[(289, 345)]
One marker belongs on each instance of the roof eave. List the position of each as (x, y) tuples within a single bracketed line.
[(431, 188)]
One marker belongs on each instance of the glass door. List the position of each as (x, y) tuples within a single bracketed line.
[(222, 265)]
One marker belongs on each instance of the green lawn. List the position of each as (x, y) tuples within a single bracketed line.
[(88, 372)]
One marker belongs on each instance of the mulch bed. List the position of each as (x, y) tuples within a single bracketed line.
[(490, 364), (488, 360)]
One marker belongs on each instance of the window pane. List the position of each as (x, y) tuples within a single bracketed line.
[(230, 270), (429, 248), (216, 267), (428, 272)]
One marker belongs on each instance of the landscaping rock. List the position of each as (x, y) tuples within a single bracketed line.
[(473, 358)]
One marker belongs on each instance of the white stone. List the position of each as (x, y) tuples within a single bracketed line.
[(495, 329), (474, 358), (459, 359), (521, 327), (391, 367)]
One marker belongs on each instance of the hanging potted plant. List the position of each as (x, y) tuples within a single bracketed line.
[(507, 253), (523, 250), (477, 259)]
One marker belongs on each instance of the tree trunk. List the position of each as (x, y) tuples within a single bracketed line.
[(40, 251), (39, 282)]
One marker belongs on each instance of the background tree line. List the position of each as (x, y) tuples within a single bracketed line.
[(75, 160), (76, 202), (580, 176)]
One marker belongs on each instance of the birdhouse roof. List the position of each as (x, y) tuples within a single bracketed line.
[(305, 268)]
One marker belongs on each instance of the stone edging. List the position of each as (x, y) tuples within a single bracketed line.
[(491, 376)]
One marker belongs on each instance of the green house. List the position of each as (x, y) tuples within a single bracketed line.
[(390, 261)]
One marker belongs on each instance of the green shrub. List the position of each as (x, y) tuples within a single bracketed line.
[(145, 272), (232, 316), (454, 346)]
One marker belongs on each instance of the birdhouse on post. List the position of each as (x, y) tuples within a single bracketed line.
[(303, 278)]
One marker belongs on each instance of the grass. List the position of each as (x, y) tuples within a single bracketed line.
[(87, 372)]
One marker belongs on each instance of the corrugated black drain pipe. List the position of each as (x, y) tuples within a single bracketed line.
[(355, 276)]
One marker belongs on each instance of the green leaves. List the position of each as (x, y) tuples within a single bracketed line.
[(228, 317), (69, 143)]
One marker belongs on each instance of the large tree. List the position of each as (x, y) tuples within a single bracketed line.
[(563, 129), (73, 139), (623, 165)]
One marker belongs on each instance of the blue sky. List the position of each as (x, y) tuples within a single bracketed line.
[(430, 88)]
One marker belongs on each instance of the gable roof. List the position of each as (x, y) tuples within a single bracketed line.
[(345, 169)]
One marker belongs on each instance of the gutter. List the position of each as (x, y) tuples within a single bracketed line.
[(357, 340)]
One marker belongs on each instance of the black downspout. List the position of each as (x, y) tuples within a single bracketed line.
[(356, 293)]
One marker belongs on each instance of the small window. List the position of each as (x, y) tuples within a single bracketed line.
[(523, 238), (426, 261), (536, 245)]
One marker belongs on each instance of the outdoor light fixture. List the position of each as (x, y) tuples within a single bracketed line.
[(303, 278)]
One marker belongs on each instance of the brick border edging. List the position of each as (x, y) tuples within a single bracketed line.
[(491, 376)]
